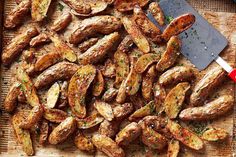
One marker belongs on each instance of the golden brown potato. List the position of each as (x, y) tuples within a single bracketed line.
[(159, 97), (44, 132), (99, 50), (23, 136), (34, 117), (78, 6), (134, 55), (108, 128), (54, 115), (155, 9), (46, 61), (175, 75), (122, 111), (147, 84), (148, 28), (28, 56), (109, 69), (27, 87), (173, 148), (121, 95), (62, 22), (62, 48), (21, 97), (89, 121), (123, 6), (175, 98), (78, 87), (185, 136), (206, 85), (62, 131), (63, 99), (40, 39), (214, 134), (128, 134), (168, 58), (107, 146), (146, 60), (84, 46), (17, 15), (98, 24), (212, 110), (138, 38), (98, 84), (110, 94), (137, 101), (53, 95), (10, 101), (142, 112), (104, 109), (83, 143), (17, 45), (39, 9), (59, 71)]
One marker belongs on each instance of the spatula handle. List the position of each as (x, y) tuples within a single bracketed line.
[(232, 75)]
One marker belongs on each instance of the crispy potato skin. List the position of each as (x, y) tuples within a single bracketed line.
[(121, 111), (63, 98), (10, 101), (108, 128), (40, 39), (44, 132), (121, 95), (185, 136), (107, 146), (133, 82), (83, 143), (175, 98), (23, 136), (62, 131), (104, 109), (206, 85), (169, 57), (78, 87), (139, 39), (99, 50), (98, 24), (98, 84), (159, 96), (173, 148), (53, 95), (78, 6), (34, 116), (17, 15), (84, 46), (175, 75), (212, 110), (148, 28), (39, 9), (54, 115), (62, 22), (17, 44), (155, 9), (110, 94), (59, 71), (214, 134), (128, 134), (89, 121), (128, 5)]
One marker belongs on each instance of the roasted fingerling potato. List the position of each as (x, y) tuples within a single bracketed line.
[(173, 148), (78, 6), (44, 132), (62, 22), (83, 143), (214, 134), (108, 128), (63, 98), (53, 95), (104, 109), (90, 121), (84, 46), (39, 9), (159, 97), (54, 115), (155, 9), (98, 84), (110, 94), (40, 39), (122, 111)]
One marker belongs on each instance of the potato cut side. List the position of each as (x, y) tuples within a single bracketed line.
[(84, 143), (53, 95), (98, 84), (155, 9), (173, 148), (54, 115), (104, 109), (214, 134), (89, 121), (39, 9)]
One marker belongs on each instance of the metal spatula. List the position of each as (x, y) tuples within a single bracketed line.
[(202, 43)]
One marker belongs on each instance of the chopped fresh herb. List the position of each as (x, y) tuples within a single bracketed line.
[(169, 18), (60, 7)]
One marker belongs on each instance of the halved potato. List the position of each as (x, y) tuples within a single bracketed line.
[(78, 87), (108, 128), (175, 98), (159, 97), (109, 69), (27, 87), (63, 99), (128, 5), (107, 146), (134, 55), (53, 95), (110, 94), (142, 112), (138, 38), (173, 148), (78, 6), (83, 143), (39, 9), (104, 109), (148, 28), (168, 58), (44, 132), (155, 9), (54, 115), (23, 136), (89, 121), (133, 82), (175, 75), (145, 60), (62, 131), (184, 135), (123, 110), (121, 95), (84, 46), (99, 50), (98, 84), (214, 134), (62, 22), (66, 51), (40, 39)]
